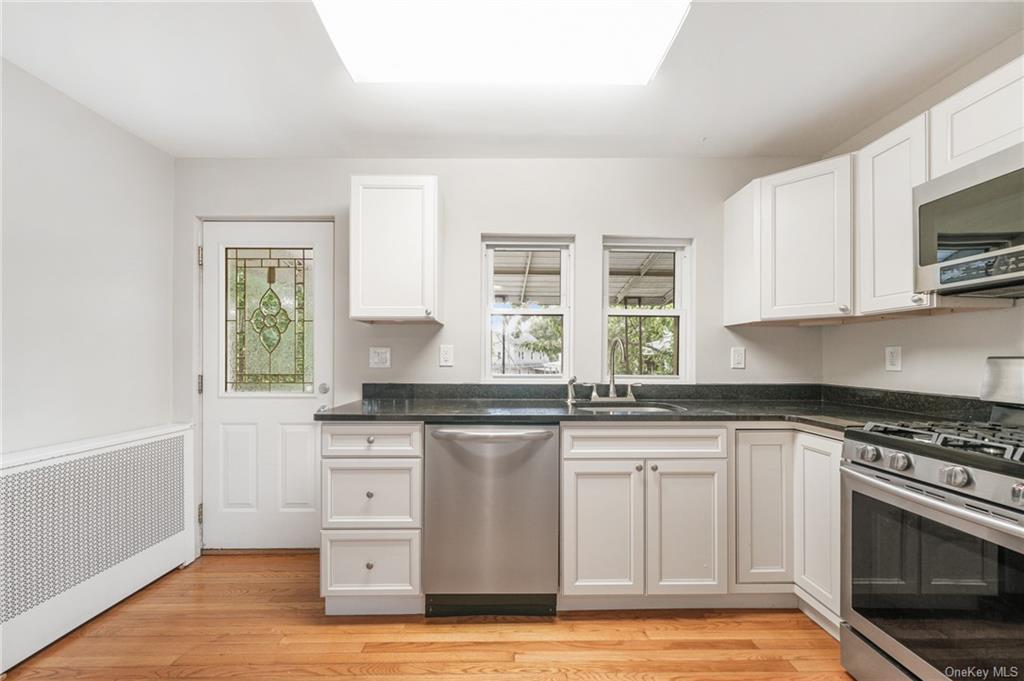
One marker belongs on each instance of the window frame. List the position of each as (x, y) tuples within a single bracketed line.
[(683, 306), (565, 246)]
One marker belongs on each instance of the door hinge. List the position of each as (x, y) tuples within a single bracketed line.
[(199, 513), (199, 255), (199, 383)]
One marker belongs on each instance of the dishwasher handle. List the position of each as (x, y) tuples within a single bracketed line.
[(493, 436)]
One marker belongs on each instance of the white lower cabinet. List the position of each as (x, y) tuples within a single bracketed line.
[(370, 562), (603, 527), (687, 528), (764, 507), (608, 548), (368, 493), (816, 523)]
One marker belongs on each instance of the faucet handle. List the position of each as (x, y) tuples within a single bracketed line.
[(593, 390), (572, 379), (629, 390)]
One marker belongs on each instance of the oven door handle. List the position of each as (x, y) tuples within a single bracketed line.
[(990, 522)]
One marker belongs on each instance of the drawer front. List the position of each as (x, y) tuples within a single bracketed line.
[(645, 442), (367, 493), (373, 439), (370, 562)]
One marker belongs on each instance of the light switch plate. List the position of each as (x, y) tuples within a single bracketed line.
[(894, 358), (380, 358), (446, 356), (738, 358)]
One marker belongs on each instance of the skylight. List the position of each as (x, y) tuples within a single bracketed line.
[(503, 42)]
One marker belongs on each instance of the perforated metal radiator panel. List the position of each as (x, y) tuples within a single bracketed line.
[(64, 523)]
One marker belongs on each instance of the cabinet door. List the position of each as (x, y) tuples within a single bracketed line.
[(602, 527), (393, 248), (764, 507), (983, 118), (886, 172), (687, 530), (806, 250), (816, 508)]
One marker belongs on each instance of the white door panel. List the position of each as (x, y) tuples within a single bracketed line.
[(267, 348)]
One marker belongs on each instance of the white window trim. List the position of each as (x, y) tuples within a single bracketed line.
[(564, 245), (685, 286)]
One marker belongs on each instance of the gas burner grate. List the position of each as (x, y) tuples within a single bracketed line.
[(989, 439)]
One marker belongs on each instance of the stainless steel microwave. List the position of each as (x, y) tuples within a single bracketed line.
[(969, 229)]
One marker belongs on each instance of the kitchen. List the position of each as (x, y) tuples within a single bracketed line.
[(389, 467)]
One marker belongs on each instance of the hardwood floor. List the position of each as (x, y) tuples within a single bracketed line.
[(260, 617)]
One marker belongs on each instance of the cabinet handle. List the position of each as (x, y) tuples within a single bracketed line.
[(917, 299), (654, 467), (369, 495), (369, 565), (427, 312), (370, 439), (639, 466), (844, 308)]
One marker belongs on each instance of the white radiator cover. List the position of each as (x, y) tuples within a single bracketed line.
[(83, 526)]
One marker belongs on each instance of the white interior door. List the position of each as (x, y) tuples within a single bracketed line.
[(267, 360)]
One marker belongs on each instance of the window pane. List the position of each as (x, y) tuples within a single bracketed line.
[(651, 345), (527, 279), (526, 344), (641, 279), (268, 326)]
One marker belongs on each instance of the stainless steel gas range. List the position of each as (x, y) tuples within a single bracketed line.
[(933, 545)]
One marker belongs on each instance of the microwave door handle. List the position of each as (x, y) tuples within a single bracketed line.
[(991, 523)]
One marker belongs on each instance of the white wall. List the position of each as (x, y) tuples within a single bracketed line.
[(940, 354), (585, 197), (87, 235)]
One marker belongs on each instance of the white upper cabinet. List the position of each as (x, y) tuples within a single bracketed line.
[(981, 119), (885, 173), (805, 241), (393, 249)]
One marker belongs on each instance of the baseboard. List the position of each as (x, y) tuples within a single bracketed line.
[(258, 552)]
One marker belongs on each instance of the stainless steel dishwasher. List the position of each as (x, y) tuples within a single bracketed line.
[(490, 522)]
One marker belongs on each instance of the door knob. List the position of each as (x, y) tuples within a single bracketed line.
[(324, 388), (370, 439)]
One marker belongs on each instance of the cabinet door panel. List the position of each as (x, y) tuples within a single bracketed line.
[(687, 533), (602, 527), (983, 118), (816, 508), (764, 507), (806, 250), (886, 172)]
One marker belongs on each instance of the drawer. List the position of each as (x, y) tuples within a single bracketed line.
[(643, 442), (367, 493), (369, 562), (373, 439)]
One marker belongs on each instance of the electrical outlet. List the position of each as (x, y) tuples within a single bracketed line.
[(380, 358), (738, 358), (894, 358), (446, 356)]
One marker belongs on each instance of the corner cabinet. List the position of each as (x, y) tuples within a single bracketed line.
[(983, 118), (651, 523), (788, 245), (394, 269), (764, 507)]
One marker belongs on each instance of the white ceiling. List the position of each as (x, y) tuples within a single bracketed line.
[(262, 79)]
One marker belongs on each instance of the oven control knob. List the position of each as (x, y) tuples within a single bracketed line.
[(899, 461), (869, 453), (1017, 494), (957, 476)]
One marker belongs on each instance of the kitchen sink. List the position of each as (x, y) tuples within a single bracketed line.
[(630, 409)]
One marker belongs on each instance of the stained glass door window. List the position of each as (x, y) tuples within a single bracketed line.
[(268, 321)]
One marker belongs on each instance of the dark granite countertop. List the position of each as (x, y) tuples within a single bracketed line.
[(833, 416)]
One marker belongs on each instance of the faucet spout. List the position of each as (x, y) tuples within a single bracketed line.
[(617, 343)]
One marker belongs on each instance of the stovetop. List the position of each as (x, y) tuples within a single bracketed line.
[(986, 439)]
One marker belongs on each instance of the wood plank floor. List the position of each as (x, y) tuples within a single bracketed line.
[(260, 617)]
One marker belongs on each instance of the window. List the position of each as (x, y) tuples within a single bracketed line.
[(647, 290), (527, 310)]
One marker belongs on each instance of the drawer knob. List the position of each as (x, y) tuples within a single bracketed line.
[(639, 466), (654, 467), (369, 495), (369, 565), (370, 439)]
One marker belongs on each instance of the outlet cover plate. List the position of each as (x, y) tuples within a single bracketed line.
[(380, 358), (446, 355), (894, 358), (738, 358)]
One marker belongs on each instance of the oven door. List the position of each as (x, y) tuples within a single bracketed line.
[(936, 586)]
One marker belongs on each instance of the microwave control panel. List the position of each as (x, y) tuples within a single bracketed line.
[(993, 266)]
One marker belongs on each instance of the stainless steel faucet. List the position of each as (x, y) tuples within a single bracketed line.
[(571, 397), (612, 389)]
